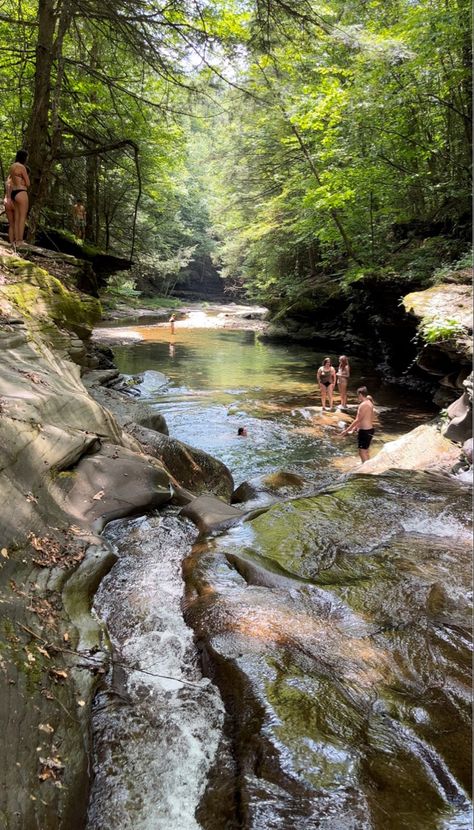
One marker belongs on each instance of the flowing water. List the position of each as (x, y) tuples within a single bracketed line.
[(335, 625)]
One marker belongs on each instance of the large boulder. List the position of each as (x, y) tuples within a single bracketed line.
[(424, 448), (210, 513), (459, 426), (124, 483), (444, 314), (127, 410), (193, 469)]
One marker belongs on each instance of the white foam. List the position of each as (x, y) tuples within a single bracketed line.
[(157, 752), (444, 526)]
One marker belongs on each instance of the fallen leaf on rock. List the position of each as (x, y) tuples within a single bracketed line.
[(43, 651), (59, 674), (31, 498), (98, 496), (31, 376), (4, 553), (81, 702), (46, 727), (47, 694), (66, 637)]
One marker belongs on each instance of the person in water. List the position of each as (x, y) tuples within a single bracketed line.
[(363, 422), (326, 376), (79, 219), (20, 182), (242, 432), (343, 375), (9, 208)]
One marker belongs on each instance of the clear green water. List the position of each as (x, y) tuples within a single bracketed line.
[(220, 380), (336, 626)]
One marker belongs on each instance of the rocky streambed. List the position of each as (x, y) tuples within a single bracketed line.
[(333, 625)]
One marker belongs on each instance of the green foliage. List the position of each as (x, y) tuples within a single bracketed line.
[(121, 285), (342, 138), (437, 329), (458, 271)]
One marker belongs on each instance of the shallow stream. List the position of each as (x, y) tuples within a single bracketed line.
[(335, 625)]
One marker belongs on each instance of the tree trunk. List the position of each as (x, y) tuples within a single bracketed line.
[(91, 198), (37, 134)]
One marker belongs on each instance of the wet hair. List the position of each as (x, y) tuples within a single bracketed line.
[(241, 431), (362, 390), (21, 156)]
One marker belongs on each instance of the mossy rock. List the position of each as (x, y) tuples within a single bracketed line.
[(40, 297)]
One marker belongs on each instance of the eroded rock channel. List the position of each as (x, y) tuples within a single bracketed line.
[(300, 656)]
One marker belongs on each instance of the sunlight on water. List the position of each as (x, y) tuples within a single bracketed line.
[(220, 380)]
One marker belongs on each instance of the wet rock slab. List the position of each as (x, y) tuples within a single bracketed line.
[(346, 672)]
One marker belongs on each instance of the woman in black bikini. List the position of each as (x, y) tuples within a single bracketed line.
[(20, 182), (326, 378)]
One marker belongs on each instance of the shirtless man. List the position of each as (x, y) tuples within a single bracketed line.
[(363, 422), (79, 219)]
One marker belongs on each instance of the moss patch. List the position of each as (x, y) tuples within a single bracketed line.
[(38, 295)]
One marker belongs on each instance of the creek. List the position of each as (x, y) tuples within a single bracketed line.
[(335, 625)]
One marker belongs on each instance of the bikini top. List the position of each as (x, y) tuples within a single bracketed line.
[(326, 373)]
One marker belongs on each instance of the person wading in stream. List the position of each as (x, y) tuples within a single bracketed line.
[(343, 374), (326, 378), (363, 422)]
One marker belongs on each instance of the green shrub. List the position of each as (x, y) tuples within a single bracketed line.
[(438, 329)]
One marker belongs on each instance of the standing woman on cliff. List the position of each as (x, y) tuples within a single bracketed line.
[(343, 374), (20, 182)]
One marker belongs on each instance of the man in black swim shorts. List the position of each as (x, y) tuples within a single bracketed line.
[(364, 437), (364, 423)]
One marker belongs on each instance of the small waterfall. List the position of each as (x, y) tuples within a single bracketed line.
[(157, 724)]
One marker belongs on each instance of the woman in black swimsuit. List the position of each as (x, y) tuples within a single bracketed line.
[(20, 182), (326, 378)]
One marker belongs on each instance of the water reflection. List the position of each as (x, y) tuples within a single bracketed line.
[(221, 380)]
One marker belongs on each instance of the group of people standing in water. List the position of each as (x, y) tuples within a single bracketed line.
[(328, 377)]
